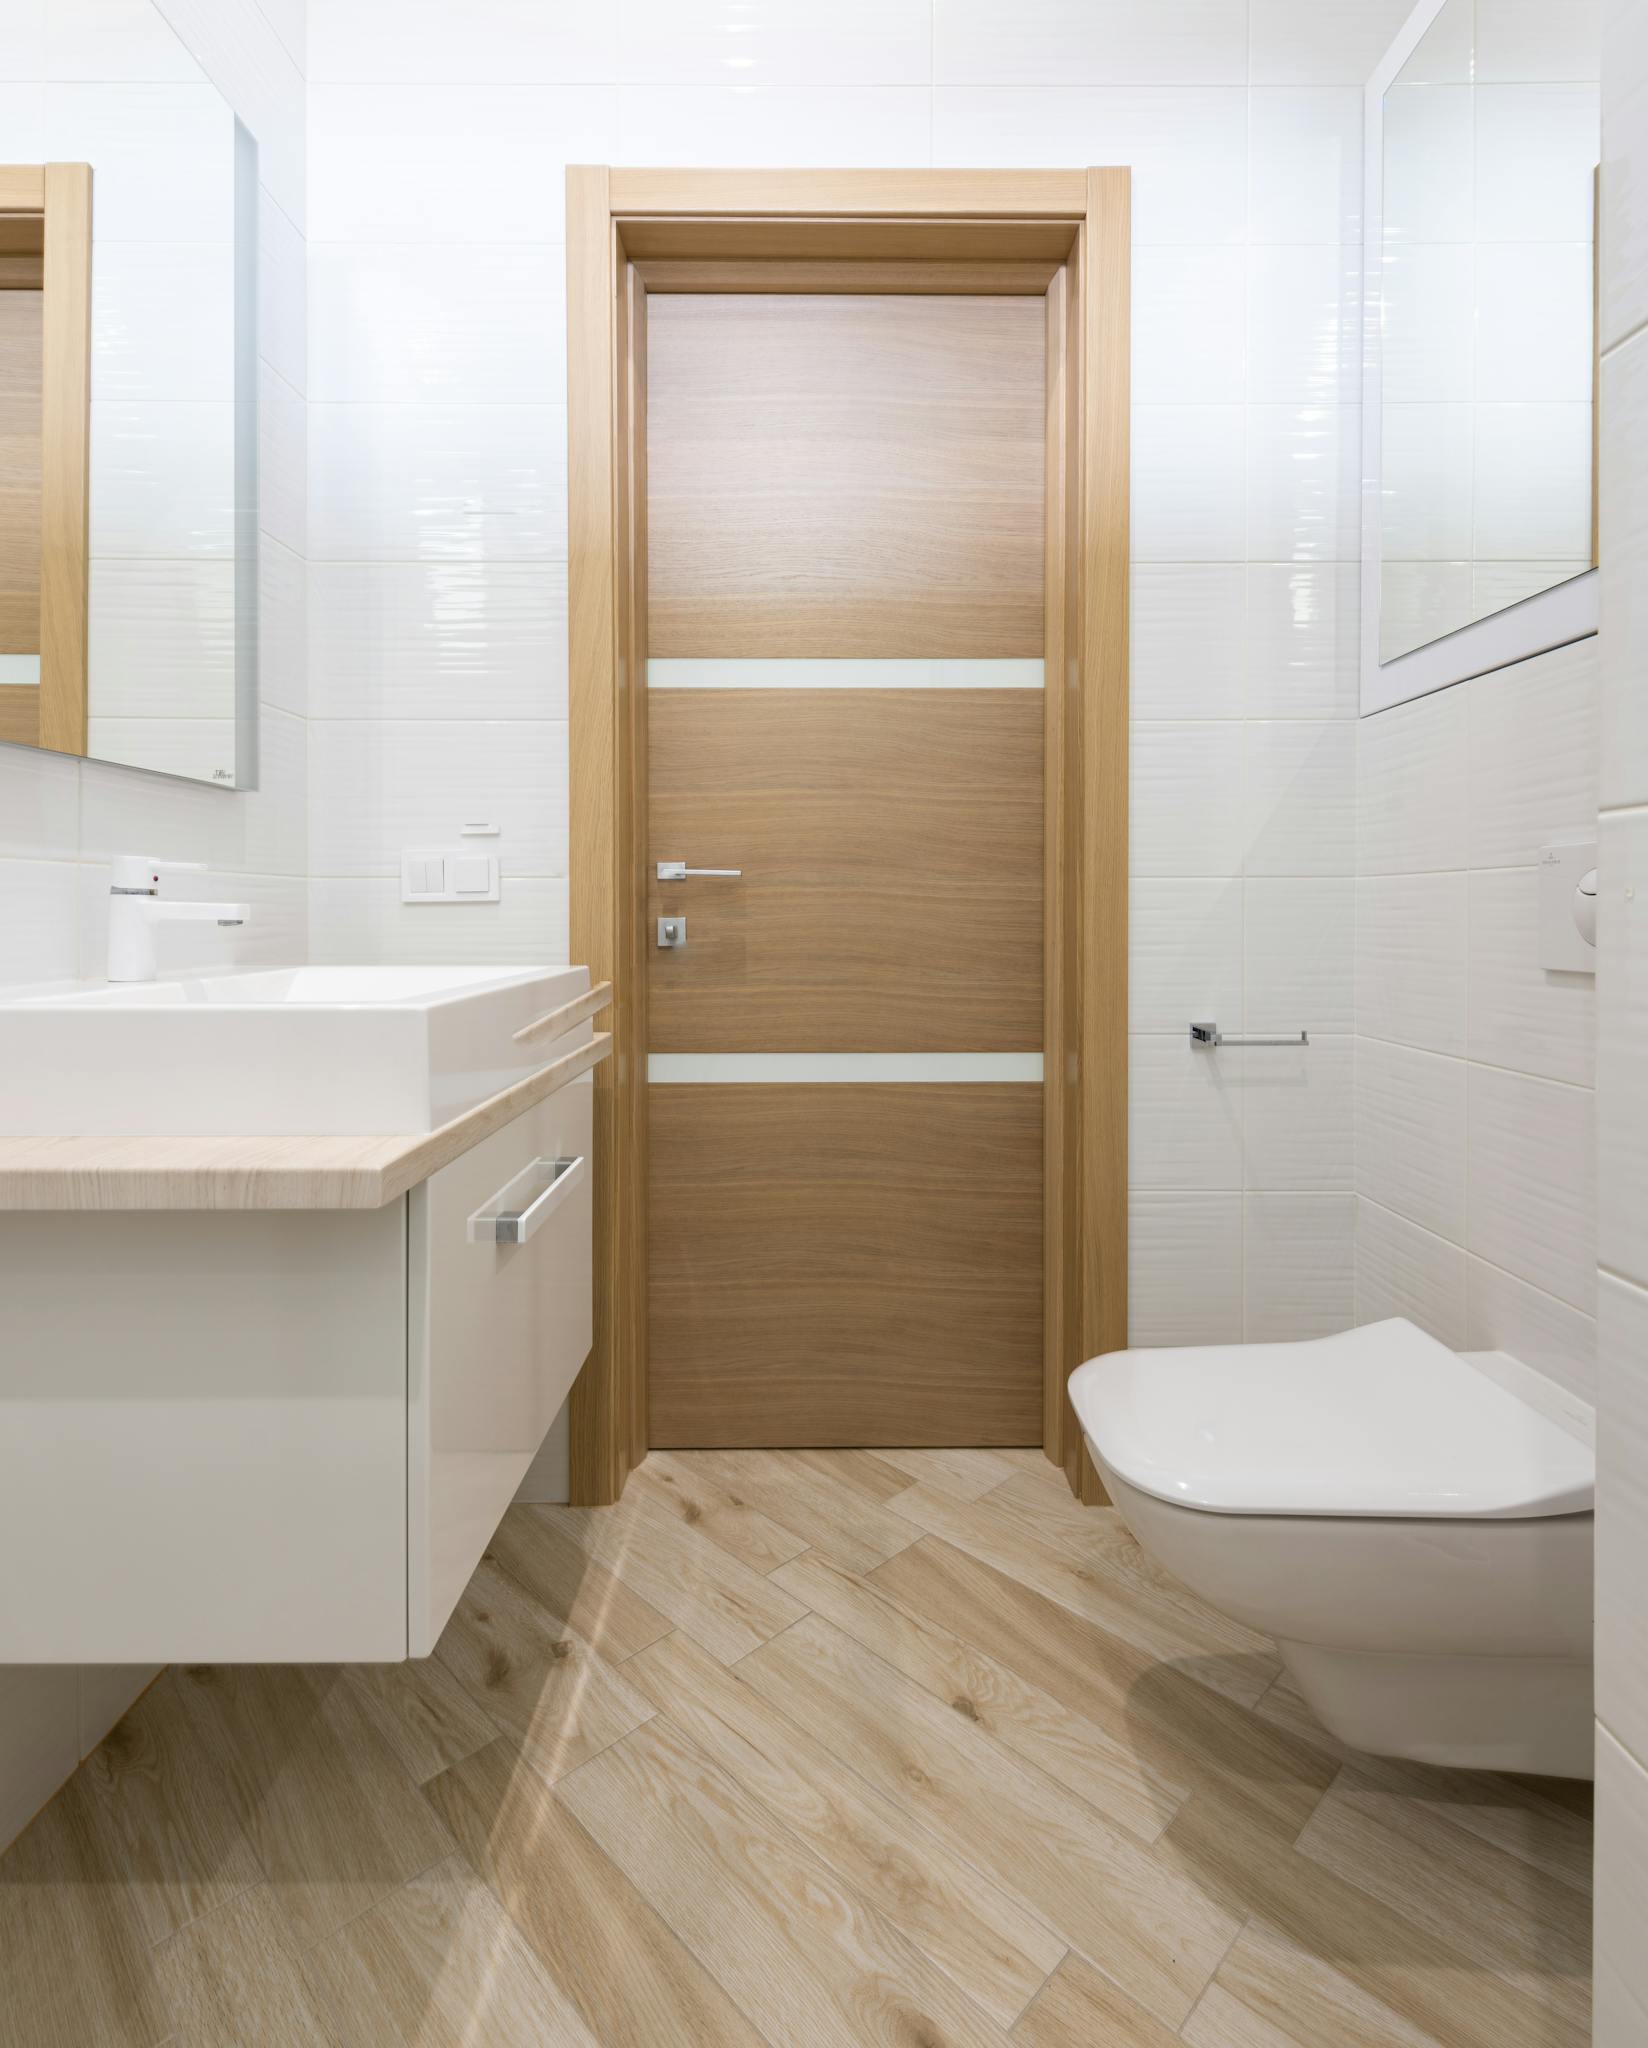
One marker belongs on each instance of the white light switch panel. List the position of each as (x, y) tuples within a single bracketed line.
[(1567, 906), (448, 875)]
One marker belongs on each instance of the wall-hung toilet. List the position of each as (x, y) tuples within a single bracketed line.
[(1411, 1525)]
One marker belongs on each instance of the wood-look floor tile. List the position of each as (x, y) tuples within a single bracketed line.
[(1181, 1731), (806, 1957), (722, 1604), (75, 1968), (1221, 2021), (1415, 1970), (828, 1513), (866, 1471), (160, 1817), (966, 1474), (1202, 1643), (532, 1544), (558, 1700), (1081, 2008), (632, 1979), (995, 1950), (1074, 1751), (439, 1964), (424, 1715), (1158, 1935), (234, 1980), (688, 1491), (1313, 2004), (335, 1820)]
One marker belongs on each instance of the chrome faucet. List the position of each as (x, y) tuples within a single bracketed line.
[(135, 908)]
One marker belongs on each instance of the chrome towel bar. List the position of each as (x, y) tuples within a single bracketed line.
[(1210, 1035)]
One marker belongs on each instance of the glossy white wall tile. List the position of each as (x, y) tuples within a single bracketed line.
[(1533, 755), (1188, 315), (1526, 39), (1624, 227), (1621, 2013), (1521, 1014), (1300, 797), (1504, 1313), (1321, 41), (1404, 1270), (767, 42), (1531, 144), (1187, 656), (1185, 944), (1623, 511), (1303, 621), (1305, 177), (774, 124), (1622, 1019), (1184, 1268), (1299, 1266), (1410, 1134), (421, 41), (157, 154), (114, 40), (1412, 765), (1411, 963), (1622, 1534), (1189, 483), (1185, 816), (1304, 309), (1089, 42), (1531, 1199), (1299, 954), (363, 918), (1298, 1111), (1303, 483), (1185, 1121)]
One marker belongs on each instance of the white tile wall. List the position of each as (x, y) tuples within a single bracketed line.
[(131, 94)]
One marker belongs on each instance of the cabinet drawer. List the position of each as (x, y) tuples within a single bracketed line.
[(499, 1324)]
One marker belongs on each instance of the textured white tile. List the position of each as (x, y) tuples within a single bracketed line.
[(283, 463), (484, 325), (1185, 657), (1506, 1314), (39, 1739), (38, 937), (107, 1691), (1536, 153), (1402, 1270), (161, 639), (163, 321), (283, 678), (1410, 1135), (1187, 146), (1528, 40), (1427, 352), (1189, 306), (1298, 1108), (117, 41), (1185, 817), (779, 125), (1301, 797), (159, 154), (364, 920), (1532, 466), (39, 804), (1299, 1260), (1303, 623), (253, 71), (1622, 1018), (1411, 804), (1184, 1120), (1533, 754), (1532, 1181), (1303, 480), (1430, 165), (1184, 953), (1624, 576), (438, 639), (1305, 155), (1189, 483), (283, 293), (162, 480), (1184, 1268), (1090, 42), (453, 162), (1304, 309), (419, 40), (1520, 1014), (1533, 321), (769, 42), (1621, 2018), (1420, 601), (1624, 172), (437, 482), (1299, 954), (23, 47), (1332, 42), (1411, 960), (1622, 1509)]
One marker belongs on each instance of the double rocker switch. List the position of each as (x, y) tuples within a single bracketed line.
[(449, 877)]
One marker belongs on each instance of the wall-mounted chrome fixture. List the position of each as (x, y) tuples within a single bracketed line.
[(1210, 1035)]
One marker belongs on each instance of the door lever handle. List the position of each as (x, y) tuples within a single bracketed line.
[(678, 871)]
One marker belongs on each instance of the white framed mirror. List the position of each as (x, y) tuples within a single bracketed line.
[(1482, 138)]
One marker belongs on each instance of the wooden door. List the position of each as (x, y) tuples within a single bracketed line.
[(845, 517)]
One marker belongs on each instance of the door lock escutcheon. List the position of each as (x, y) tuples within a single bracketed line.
[(672, 931)]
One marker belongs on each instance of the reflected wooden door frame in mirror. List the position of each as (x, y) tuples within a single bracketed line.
[(1563, 610), (48, 208)]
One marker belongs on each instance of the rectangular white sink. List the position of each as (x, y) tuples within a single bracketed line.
[(290, 1051)]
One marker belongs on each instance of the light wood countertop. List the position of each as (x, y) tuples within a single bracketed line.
[(263, 1172)]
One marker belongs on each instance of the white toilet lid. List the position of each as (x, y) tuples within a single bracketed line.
[(1380, 1421)]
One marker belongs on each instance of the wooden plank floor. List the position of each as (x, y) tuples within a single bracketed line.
[(792, 1750)]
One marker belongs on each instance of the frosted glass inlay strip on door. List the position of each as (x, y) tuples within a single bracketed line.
[(725, 1067), (806, 673)]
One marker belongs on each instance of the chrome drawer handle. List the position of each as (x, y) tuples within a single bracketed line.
[(517, 1210)]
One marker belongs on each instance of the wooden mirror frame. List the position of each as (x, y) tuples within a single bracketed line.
[(1061, 235)]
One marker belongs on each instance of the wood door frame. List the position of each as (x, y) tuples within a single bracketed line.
[(62, 195), (1061, 235)]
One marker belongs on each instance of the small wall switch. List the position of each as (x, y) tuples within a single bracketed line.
[(1567, 906), (441, 875)]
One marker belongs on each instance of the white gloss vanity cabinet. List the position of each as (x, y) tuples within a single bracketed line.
[(233, 1434)]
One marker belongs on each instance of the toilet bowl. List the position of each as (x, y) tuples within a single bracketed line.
[(1412, 1525)]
